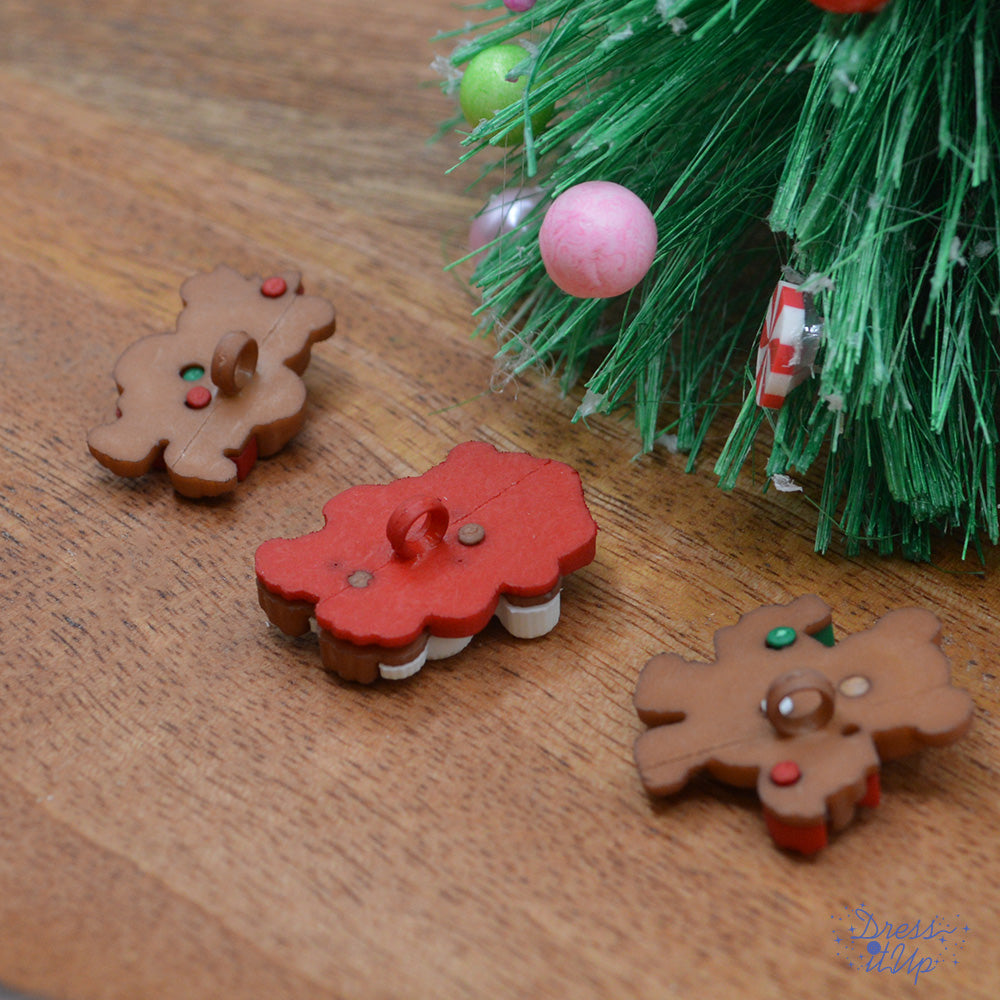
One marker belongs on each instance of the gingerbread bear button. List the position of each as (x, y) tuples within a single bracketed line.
[(409, 571), (206, 400), (805, 720)]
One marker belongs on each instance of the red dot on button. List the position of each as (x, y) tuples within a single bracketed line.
[(198, 397), (785, 772), (274, 287)]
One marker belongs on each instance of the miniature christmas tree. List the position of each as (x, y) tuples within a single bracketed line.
[(851, 155)]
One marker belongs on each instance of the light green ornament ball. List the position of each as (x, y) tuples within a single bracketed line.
[(485, 89)]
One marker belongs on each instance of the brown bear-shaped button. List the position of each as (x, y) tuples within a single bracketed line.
[(225, 387), (802, 719)]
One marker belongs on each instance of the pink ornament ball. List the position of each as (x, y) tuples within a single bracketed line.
[(598, 240), (519, 6)]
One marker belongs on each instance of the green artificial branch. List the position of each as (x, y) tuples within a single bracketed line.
[(858, 152)]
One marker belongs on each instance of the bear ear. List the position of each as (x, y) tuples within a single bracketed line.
[(910, 626), (211, 284), (293, 281), (125, 447), (808, 615)]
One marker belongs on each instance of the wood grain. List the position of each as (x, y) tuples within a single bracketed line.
[(190, 807)]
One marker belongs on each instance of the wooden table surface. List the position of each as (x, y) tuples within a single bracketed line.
[(189, 806)]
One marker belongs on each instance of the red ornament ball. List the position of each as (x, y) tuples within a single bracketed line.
[(851, 6), (598, 240)]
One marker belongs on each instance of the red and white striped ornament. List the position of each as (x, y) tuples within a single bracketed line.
[(787, 347)]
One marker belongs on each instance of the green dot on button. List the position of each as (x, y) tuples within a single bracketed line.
[(192, 373), (780, 637)]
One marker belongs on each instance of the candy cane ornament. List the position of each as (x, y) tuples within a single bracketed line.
[(789, 339)]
